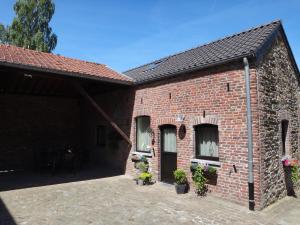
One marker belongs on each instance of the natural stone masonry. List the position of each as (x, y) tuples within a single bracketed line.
[(278, 91)]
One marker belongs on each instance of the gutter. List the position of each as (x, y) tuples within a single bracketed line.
[(249, 134)]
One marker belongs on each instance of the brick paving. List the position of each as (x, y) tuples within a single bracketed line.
[(117, 200)]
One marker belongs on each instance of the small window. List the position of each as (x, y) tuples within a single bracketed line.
[(143, 134), (207, 142), (101, 135), (284, 132)]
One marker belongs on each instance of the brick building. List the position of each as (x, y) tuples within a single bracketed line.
[(188, 107)]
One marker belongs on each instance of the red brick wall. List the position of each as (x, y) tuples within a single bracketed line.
[(190, 95)]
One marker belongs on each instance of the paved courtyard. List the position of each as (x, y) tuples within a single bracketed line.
[(117, 200)]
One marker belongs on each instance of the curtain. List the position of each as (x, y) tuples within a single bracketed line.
[(207, 144), (169, 138), (143, 136)]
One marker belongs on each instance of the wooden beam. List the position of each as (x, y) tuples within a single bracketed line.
[(83, 92)]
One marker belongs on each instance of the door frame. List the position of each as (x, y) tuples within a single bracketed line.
[(161, 127)]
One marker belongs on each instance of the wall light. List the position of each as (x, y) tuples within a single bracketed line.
[(180, 118)]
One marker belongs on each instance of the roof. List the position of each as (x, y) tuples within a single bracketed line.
[(244, 44), (17, 57)]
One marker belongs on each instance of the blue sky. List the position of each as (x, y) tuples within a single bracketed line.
[(124, 34)]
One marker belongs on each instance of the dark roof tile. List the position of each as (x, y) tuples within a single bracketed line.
[(228, 48)]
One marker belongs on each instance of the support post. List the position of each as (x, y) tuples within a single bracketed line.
[(83, 92)]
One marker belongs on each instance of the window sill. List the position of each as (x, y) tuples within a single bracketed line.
[(142, 154), (209, 162)]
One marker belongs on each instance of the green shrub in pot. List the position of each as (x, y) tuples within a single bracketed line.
[(145, 177), (180, 181), (142, 167)]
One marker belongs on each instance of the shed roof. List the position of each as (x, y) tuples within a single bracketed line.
[(17, 57)]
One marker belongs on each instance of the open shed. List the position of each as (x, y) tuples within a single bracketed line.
[(44, 104)]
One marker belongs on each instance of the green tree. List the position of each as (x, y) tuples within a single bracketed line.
[(3, 34), (30, 27)]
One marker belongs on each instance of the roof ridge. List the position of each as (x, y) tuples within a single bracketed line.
[(207, 43)]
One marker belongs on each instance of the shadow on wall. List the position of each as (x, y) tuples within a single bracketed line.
[(114, 151), (5, 217)]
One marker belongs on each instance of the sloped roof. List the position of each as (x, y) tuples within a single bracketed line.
[(244, 44), (13, 56)]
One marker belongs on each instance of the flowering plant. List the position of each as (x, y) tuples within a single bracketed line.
[(288, 161), (209, 169)]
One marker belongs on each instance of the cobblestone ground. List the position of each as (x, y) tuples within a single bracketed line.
[(117, 200)]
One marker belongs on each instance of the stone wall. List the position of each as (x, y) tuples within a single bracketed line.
[(278, 91), (29, 123)]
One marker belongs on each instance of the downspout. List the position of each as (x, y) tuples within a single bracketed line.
[(249, 133)]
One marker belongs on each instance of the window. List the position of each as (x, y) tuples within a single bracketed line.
[(207, 141), (101, 135), (284, 132), (143, 134), (169, 139)]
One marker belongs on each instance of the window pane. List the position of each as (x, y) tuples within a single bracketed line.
[(143, 136), (169, 138), (207, 140)]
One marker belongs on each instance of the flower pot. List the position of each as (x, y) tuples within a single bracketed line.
[(140, 182), (181, 188), (135, 158), (211, 178)]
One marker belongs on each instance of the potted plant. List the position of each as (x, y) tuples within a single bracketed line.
[(144, 178), (291, 166), (193, 166), (292, 174), (180, 181), (142, 167), (295, 173), (200, 181), (135, 158)]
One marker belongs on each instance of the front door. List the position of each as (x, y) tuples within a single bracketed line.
[(168, 153)]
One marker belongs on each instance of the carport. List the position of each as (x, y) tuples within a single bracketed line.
[(45, 100)]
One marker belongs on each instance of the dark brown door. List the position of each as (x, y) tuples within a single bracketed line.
[(168, 153)]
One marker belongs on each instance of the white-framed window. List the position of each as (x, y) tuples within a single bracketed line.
[(207, 142), (143, 134)]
